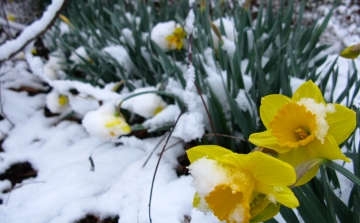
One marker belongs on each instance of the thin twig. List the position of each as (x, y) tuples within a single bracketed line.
[(157, 145), (8, 34), (228, 136), (208, 115), (190, 61), (2, 109), (158, 162), (171, 146)]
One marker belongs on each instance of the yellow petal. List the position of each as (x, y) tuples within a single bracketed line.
[(295, 156), (308, 90), (263, 167), (267, 140), (269, 212), (269, 106), (209, 151), (328, 150), (342, 123)]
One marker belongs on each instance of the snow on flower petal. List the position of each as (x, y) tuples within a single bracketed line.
[(105, 123), (232, 185), (57, 103), (168, 35), (146, 105), (304, 127)]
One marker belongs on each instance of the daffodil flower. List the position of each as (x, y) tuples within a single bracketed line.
[(304, 127), (175, 40), (106, 123), (57, 103), (168, 36), (240, 188), (11, 17), (351, 52)]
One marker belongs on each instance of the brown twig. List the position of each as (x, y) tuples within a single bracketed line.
[(160, 156), (190, 60), (228, 136)]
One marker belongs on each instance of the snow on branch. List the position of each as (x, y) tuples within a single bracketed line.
[(33, 31)]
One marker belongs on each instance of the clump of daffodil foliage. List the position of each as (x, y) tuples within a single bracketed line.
[(148, 59)]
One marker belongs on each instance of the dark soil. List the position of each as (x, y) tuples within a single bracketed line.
[(18, 172), (95, 219)]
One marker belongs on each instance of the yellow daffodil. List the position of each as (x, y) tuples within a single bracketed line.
[(304, 127), (175, 40), (351, 52), (168, 36), (56, 102), (63, 100), (240, 188), (106, 123), (11, 17)]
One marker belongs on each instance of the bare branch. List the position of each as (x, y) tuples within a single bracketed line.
[(33, 31)]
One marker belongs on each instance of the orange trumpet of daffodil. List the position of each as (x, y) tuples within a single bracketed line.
[(304, 127), (240, 188)]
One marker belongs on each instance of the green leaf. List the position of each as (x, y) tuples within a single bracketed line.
[(310, 209), (288, 214), (343, 171)]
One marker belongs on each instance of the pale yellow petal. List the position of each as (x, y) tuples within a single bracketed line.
[(269, 106), (267, 140), (342, 123), (286, 197), (209, 151), (308, 90)]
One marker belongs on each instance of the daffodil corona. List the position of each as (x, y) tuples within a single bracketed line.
[(304, 127), (240, 188)]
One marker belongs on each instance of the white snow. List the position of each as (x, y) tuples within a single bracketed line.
[(146, 105), (320, 110)]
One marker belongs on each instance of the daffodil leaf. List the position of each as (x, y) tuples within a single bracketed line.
[(288, 215), (328, 196), (343, 171), (310, 209), (356, 209)]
